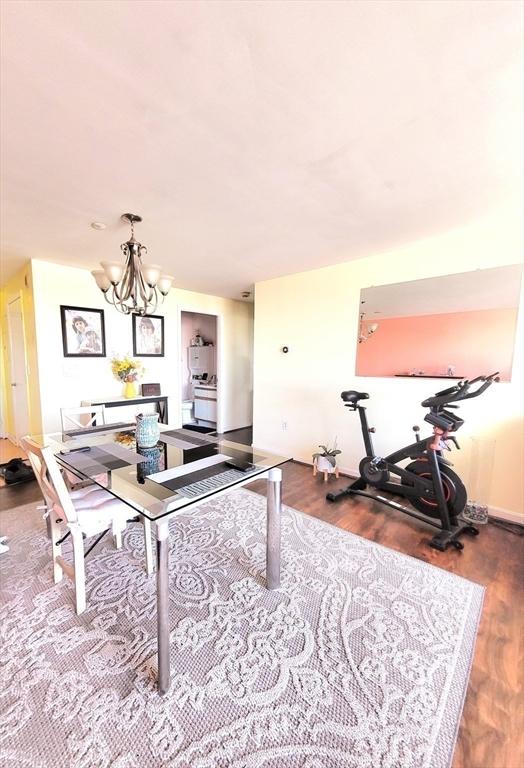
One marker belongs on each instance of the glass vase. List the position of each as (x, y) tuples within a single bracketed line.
[(147, 430)]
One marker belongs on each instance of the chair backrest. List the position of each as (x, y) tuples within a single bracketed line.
[(82, 417), (49, 477)]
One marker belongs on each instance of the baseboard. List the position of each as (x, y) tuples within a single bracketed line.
[(506, 514)]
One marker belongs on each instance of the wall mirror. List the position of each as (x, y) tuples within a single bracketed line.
[(454, 326)]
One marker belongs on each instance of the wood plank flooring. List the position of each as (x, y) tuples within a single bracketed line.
[(492, 726)]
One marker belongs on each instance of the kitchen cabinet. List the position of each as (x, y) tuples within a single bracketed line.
[(201, 358), (206, 403)]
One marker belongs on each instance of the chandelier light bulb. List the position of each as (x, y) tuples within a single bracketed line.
[(151, 274), (164, 284), (113, 270), (102, 280)]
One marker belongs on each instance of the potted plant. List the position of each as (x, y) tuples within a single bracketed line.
[(324, 461), (127, 371)]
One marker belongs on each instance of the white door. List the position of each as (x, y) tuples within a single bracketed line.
[(18, 370)]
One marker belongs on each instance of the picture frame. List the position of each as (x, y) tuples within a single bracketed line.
[(83, 331), (148, 335)]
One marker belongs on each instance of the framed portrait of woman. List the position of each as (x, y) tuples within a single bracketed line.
[(83, 332), (148, 335)]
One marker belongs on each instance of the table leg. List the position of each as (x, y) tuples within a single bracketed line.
[(274, 505), (162, 605), (162, 411)]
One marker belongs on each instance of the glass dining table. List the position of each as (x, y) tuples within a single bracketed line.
[(183, 470)]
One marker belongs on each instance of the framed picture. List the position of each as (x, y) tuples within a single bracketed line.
[(83, 332), (148, 335)]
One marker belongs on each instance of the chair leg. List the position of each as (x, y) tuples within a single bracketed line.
[(79, 575), (56, 549), (118, 539), (148, 546)]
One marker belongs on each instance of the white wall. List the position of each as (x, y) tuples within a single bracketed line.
[(64, 382), (315, 314)]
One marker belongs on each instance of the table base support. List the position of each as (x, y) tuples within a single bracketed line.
[(162, 608), (274, 507)]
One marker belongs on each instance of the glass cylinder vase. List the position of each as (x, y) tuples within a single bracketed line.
[(147, 430)]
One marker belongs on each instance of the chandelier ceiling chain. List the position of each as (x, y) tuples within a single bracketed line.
[(132, 288)]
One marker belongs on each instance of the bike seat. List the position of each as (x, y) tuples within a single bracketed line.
[(350, 396)]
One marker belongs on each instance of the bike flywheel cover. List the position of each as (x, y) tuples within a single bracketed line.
[(371, 473)]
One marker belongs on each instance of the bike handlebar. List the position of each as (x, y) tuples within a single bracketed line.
[(460, 391)]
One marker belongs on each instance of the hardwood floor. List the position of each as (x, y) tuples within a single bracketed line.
[(492, 724), (15, 495)]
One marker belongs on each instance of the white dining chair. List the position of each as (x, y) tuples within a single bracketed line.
[(82, 417), (76, 420), (85, 512)]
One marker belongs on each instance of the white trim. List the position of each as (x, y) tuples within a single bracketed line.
[(506, 514), (189, 308)]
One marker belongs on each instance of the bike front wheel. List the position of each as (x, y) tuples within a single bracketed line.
[(455, 492)]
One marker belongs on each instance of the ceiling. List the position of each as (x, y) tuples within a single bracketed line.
[(497, 288), (256, 139)]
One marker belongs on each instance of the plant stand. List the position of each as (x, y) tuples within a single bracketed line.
[(322, 466)]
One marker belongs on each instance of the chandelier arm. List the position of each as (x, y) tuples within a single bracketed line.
[(115, 293), (144, 293), (148, 294), (128, 278), (142, 287), (153, 298), (116, 303)]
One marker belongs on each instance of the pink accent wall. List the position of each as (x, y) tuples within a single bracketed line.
[(473, 342)]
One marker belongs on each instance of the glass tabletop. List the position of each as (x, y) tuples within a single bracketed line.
[(182, 468)]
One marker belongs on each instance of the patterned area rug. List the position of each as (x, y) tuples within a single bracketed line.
[(360, 660)]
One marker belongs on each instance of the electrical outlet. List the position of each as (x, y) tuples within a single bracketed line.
[(284, 426)]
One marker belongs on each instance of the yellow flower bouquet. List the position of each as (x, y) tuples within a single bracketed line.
[(126, 369)]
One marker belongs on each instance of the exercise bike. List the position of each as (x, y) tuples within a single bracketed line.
[(427, 482)]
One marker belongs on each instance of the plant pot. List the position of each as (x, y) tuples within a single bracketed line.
[(321, 464), (130, 389)]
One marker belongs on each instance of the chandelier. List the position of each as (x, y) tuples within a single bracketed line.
[(132, 287)]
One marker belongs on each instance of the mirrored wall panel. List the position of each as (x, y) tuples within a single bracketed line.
[(454, 326)]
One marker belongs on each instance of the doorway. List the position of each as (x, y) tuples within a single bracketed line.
[(199, 383), (18, 389)]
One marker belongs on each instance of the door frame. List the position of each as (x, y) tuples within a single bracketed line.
[(218, 358), (18, 296)]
